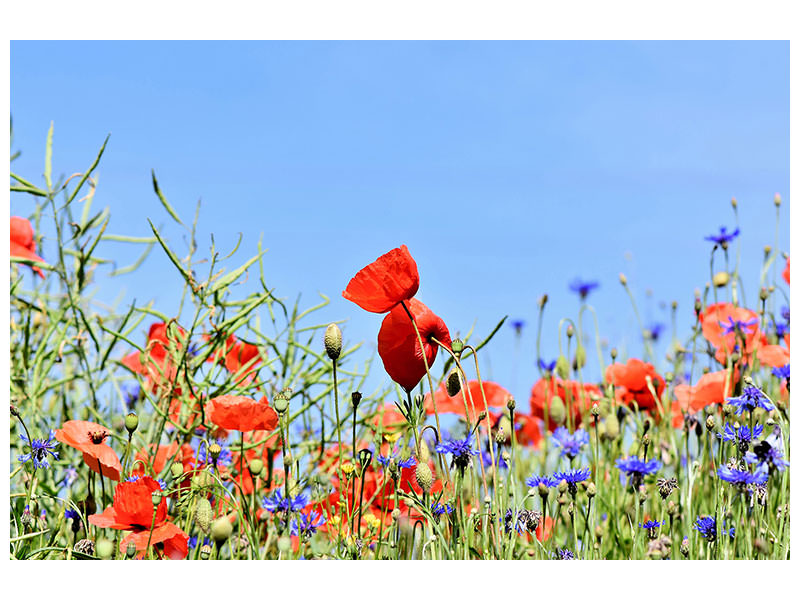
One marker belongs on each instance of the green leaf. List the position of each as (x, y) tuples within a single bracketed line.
[(175, 260), (48, 158), (92, 167), (234, 275), (164, 202)]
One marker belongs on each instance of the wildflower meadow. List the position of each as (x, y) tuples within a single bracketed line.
[(238, 427)]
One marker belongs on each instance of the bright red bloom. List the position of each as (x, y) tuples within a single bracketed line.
[(399, 347), (242, 414), (631, 382), (711, 388), (571, 392), (496, 397), (722, 323), (528, 428), (22, 242), (786, 272), (237, 355), (163, 454), (90, 438), (133, 511), (155, 363), (773, 355), (383, 284)]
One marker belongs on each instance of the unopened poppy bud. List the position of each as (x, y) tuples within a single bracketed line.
[(156, 497), (131, 422), (130, 550), (203, 514), (424, 452), (580, 357), (457, 346), (221, 530), (333, 341), (395, 514), (104, 548), (710, 423), (591, 490), (424, 477), (763, 294), (284, 543), (453, 384), (698, 305), (777, 199), (562, 367), (558, 412), (613, 354), (205, 552), (595, 410), (256, 466), (176, 469), (355, 399), (570, 331), (721, 278), (612, 426), (622, 279), (280, 403)]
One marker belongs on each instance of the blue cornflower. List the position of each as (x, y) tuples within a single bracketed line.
[(781, 372), (461, 451), (70, 475), (194, 539), (71, 513), (785, 313), (655, 331), (583, 288), (486, 456), (277, 503), (651, 524), (781, 329), (636, 468), (734, 326), (39, 450), (547, 366), (707, 526), (767, 454), (517, 324), (571, 444), (724, 237), (440, 509), (741, 477), (741, 436), (306, 524), (130, 394), (534, 481), (751, 398), (564, 554), (406, 463), (572, 478)]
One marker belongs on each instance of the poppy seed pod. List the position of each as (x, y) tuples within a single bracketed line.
[(280, 403), (176, 469), (457, 346), (511, 404), (131, 422), (205, 552), (721, 278), (104, 548), (156, 497), (284, 543), (221, 530), (256, 466), (333, 341), (424, 477), (130, 550), (214, 451), (355, 399), (453, 383), (203, 514)]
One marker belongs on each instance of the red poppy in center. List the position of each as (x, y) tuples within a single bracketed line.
[(242, 414), (398, 345), (631, 379), (383, 284), (133, 511)]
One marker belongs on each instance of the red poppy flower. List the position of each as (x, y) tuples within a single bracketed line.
[(90, 438), (773, 355), (529, 428), (786, 272), (133, 511), (398, 345), (724, 324), (496, 397), (155, 363), (571, 392), (711, 388), (631, 382), (242, 414), (383, 284), (22, 242), (184, 455), (237, 355)]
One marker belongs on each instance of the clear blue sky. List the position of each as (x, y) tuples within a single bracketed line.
[(507, 168)]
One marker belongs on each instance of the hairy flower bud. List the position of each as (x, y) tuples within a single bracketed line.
[(424, 477), (333, 341), (203, 514)]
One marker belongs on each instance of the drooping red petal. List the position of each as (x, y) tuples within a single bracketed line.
[(399, 347), (383, 284), (242, 414)]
